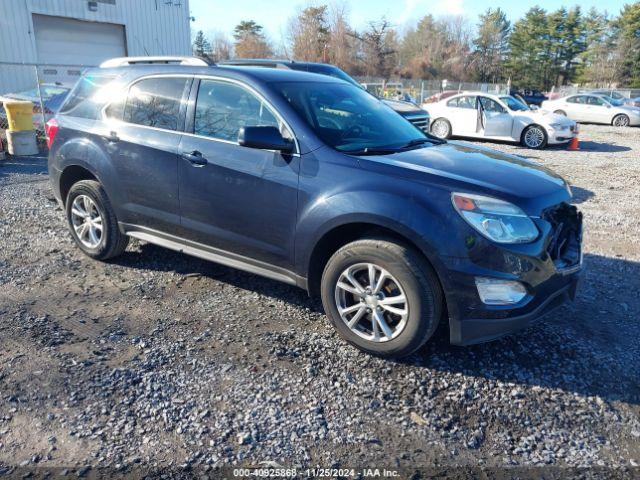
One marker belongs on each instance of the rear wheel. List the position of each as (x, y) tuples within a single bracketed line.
[(441, 128), (382, 297), (534, 136), (92, 221), (560, 112), (620, 120)]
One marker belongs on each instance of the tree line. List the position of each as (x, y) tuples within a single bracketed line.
[(540, 50)]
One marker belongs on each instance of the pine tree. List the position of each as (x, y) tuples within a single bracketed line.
[(491, 45)]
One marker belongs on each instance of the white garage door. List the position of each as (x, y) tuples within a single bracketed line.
[(74, 42)]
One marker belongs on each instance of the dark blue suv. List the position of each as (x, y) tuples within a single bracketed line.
[(309, 180)]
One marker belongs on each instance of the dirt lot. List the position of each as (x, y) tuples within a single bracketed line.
[(163, 361)]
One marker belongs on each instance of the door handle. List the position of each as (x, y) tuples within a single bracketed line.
[(112, 137), (195, 158)]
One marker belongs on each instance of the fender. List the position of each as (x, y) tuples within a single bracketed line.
[(84, 153), (420, 223)]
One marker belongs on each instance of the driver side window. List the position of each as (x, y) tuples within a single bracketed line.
[(490, 105), (222, 108)]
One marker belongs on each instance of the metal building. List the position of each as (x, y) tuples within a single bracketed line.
[(61, 34)]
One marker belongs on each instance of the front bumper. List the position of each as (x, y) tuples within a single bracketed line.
[(549, 269), (478, 330)]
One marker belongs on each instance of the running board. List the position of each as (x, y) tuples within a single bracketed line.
[(218, 256)]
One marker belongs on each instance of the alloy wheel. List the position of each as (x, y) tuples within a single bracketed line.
[(534, 137), (440, 129), (371, 302), (621, 121), (87, 221)]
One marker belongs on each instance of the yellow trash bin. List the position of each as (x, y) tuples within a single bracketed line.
[(19, 115)]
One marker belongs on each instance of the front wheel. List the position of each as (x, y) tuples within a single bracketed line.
[(561, 112), (620, 120), (534, 136), (441, 128), (381, 296)]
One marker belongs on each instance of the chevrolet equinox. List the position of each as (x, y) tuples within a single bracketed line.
[(309, 180)]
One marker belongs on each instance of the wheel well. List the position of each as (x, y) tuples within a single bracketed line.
[(333, 240), (71, 175)]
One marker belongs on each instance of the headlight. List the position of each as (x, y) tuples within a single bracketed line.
[(497, 220), (559, 126)]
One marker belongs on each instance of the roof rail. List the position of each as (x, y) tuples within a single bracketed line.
[(124, 61)]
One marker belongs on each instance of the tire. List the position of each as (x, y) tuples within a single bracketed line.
[(534, 133), (620, 120), (82, 212), (411, 277), (443, 125), (560, 112)]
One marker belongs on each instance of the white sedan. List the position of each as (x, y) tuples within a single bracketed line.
[(595, 108), (498, 117)]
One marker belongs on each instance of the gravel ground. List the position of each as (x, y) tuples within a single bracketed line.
[(162, 361)]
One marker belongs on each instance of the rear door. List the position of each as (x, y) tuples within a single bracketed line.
[(143, 140), (463, 115), (234, 198)]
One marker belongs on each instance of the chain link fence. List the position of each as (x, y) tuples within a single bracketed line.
[(44, 85), (421, 91)]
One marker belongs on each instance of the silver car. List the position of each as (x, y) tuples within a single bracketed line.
[(591, 108)]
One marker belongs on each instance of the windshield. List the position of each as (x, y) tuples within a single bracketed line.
[(348, 118), (514, 104), (613, 101)]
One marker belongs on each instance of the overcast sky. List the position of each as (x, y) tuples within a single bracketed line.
[(273, 15)]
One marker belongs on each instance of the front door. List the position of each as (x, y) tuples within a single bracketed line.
[(497, 121), (237, 199)]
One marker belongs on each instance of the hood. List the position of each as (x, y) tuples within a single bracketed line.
[(629, 108), (459, 166), (547, 117), (402, 107)]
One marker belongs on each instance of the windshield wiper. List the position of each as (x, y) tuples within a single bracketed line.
[(419, 141), (373, 151)]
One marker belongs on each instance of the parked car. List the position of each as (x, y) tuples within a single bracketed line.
[(618, 97), (409, 110), (498, 117), (436, 97), (592, 108), (53, 95), (309, 180), (531, 97)]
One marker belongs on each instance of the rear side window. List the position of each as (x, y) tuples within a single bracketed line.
[(462, 102), (578, 99), (222, 108), (85, 100), (155, 102)]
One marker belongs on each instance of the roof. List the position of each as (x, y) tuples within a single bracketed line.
[(246, 73)]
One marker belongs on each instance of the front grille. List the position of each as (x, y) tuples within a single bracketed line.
[(565, 240), (421, 122)]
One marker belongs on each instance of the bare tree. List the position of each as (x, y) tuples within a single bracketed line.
[(221, 46), (341, 47), (379, 45)]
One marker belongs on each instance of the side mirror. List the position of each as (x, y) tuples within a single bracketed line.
[(264, 138)]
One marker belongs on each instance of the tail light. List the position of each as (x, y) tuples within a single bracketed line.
[(50, 130)]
